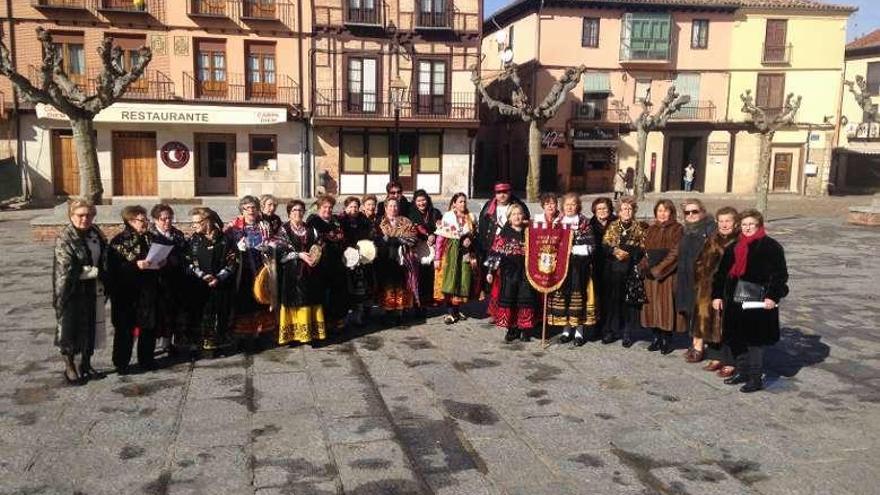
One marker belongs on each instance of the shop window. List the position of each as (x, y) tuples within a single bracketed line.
[(429, 153), (263, 151), (380, 159), (700, 34), (590, 32)]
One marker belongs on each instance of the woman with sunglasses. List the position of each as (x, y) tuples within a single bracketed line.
[(698, 228)]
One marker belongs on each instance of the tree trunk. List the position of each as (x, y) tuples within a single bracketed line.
[(639, 179), (87, 155), (533, 179), (763, 182)]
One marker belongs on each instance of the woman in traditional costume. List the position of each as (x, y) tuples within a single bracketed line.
[(211, 261), (173, 289), (250, 234), (78, 277), (331, 268), (360, 277), (573, 305), (134, 291), (268, 206), (456, 277), (425, 218), (301, 314), (506, 261), (662, 240), (396, 267), (624, 245)]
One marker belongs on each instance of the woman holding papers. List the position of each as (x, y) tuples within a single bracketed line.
[(134, 291), (78, 276), (751, 280)]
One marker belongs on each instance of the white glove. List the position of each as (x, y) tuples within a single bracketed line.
[(89, 273), (242, 244), (289, 256)]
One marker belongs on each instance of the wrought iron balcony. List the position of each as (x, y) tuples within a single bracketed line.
[(775, 54), (701, 110), (376, 105), (442, 19), (208, 8), (599, 113), (132, 6), (60, 4), (364, 16), (154, 85), (237, 88)]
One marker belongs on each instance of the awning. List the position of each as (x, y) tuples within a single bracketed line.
[(597, 82), (165, 114)]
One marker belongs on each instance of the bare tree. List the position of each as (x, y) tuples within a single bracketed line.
[(766, 122), (647, 122), (54, 87), (863, 99), (535, 115)]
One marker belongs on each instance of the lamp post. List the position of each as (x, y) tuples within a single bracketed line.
[(398, 88)]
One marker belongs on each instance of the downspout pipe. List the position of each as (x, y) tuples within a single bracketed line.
[(19, 146)]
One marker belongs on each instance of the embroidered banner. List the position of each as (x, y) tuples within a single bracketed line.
[(547, 254)]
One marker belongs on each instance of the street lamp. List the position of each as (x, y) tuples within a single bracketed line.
[(398, 88)]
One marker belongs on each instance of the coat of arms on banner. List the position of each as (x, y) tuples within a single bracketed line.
[(547, 254)]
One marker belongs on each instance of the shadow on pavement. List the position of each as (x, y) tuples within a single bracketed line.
[(794, 351)]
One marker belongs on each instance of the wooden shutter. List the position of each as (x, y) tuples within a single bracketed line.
[(776, 30), (770, 92)]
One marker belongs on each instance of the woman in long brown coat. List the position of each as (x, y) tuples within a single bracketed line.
[(707, 321), (659, 265)]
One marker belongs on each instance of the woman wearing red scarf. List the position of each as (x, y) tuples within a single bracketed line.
[(751, 280)]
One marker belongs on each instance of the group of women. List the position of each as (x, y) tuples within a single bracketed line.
[(307, 278)]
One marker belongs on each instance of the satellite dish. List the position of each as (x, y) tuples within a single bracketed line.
[(501, 37), (507, 56)]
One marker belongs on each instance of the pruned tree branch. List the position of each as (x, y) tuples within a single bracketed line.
[(556, 97), (503, 108), (764, 121), (863, 99), (759, 116)]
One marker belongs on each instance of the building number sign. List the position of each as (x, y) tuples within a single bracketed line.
[(175, 154)]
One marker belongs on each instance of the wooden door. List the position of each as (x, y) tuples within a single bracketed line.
[(782, 171), (134, 164), (215, 155), (65, 166)]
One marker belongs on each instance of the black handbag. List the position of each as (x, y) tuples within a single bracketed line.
[(746, 291), (655, 256)]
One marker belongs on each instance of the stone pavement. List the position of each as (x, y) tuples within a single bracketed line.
[(453, 410)]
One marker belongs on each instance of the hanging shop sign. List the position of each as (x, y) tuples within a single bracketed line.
[(595, 137), (175, 154), (141, 113)]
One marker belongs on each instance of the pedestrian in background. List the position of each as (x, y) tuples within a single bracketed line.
[(619, 184), (79, 275), (689, 173), (750, 282)]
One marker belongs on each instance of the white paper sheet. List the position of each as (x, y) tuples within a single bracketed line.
[(753, 305), (158, 253)]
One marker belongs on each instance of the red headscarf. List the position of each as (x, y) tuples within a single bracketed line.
[(741, 252)]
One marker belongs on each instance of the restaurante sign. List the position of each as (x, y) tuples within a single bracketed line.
[(178, 114)]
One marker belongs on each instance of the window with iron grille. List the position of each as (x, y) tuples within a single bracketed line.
[(700, 34), (590, 33)]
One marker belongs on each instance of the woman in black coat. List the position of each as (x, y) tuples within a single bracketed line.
[(752, 272)]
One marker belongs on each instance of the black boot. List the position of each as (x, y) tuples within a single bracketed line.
[(657, 343), (524, 336), (753, 384), (665, 343), (608, 338), (87, 371), (511, 335), (736, 379), (579, 338), (627, 339), (71, 374)]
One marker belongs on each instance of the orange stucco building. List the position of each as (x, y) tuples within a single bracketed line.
[(711, 50)]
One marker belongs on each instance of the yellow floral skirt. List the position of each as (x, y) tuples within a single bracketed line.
[(301, 324)]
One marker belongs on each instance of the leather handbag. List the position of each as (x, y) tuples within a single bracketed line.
[(655, 256), (746, 291)]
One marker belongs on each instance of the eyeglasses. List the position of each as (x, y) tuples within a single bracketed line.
[(395, 191), (691, 212), (748, 225)]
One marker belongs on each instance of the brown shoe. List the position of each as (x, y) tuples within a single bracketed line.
[(694, 356), (726, 371), (712, 366)]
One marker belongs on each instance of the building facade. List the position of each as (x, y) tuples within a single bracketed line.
[(219, 110), (857, 156), (394, 75), (711, 50)]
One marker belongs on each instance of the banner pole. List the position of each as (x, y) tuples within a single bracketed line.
[(544, 324)]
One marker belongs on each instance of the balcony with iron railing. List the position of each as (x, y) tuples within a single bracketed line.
[(262, 10), (591, 112), (154, 85), (776, 54), (61, 4), (339, 104), (364, 16), (208, 8), (439, 19), (237, 88), (699, 110), (128, 6)]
